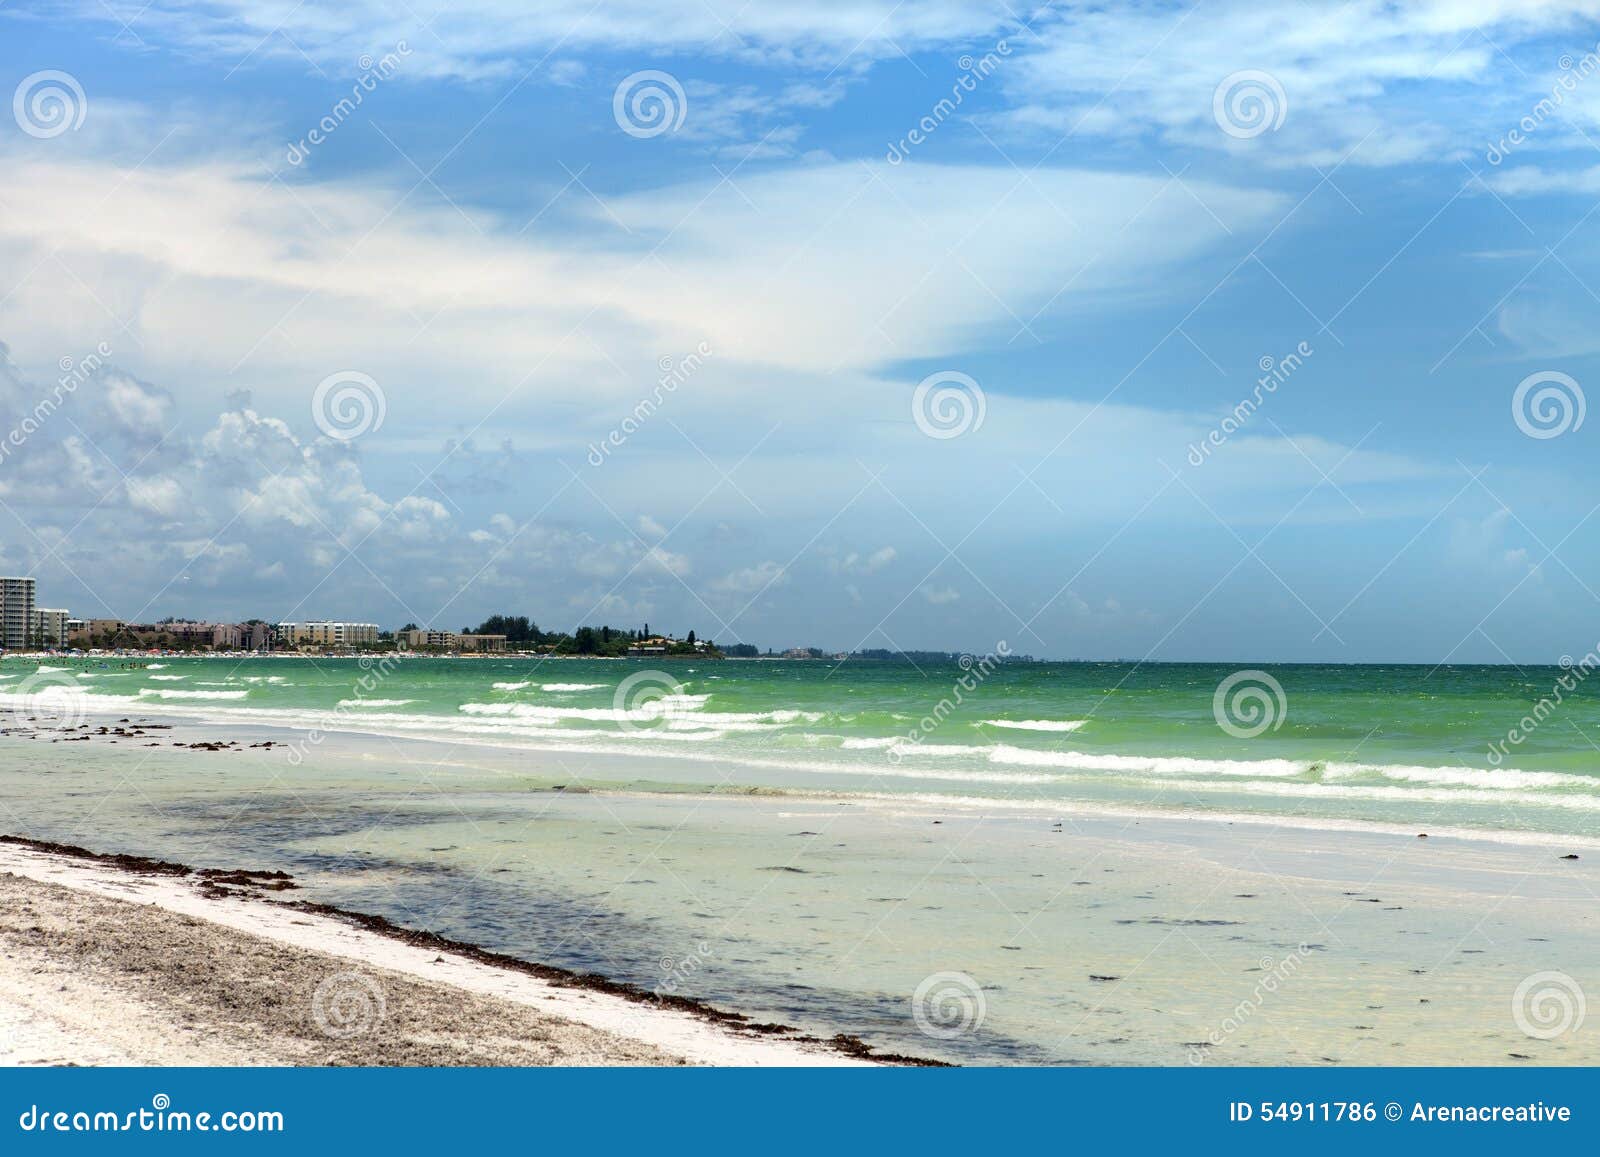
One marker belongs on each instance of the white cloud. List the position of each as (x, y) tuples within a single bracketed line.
[(752, 579)]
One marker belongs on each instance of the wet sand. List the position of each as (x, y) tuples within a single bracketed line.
[(108, 963)]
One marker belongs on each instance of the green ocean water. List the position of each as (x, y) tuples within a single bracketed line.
[(837, 847), (1474, 747)]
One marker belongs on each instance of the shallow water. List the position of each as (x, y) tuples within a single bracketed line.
[(974, 933)]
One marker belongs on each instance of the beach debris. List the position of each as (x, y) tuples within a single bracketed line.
[(1102, 979), (1570, 856)]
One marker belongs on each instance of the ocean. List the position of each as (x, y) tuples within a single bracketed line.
[(1382, 744), (1057, 863)]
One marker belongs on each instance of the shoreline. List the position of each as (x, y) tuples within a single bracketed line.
[(350, 729), (694, 1031)]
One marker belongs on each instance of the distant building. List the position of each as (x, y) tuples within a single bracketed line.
[(92, 632), (239, 636), (481, 642), (16, 612), (48, 627), (444, 640), (324, 633)]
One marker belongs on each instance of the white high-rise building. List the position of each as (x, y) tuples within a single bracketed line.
[(16, 612)]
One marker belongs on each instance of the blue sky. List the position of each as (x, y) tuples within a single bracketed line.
[(1097, 239)]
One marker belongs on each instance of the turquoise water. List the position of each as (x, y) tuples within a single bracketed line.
[(1398, 744), (831, 848)]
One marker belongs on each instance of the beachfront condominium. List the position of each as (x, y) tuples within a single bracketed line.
[(327, 634), (47, 627), (16, 612)]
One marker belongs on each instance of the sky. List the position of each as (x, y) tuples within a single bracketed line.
[(1217, 331)]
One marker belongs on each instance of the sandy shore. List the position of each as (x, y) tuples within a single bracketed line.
[(102, 965)]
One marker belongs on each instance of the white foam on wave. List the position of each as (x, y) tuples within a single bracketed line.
[(1034, 724), (166, 693), (572, 686), (1473, 777), (155, 666), (511, 686), (43, 667), (374, 702), (168, 678), (870, 744)]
